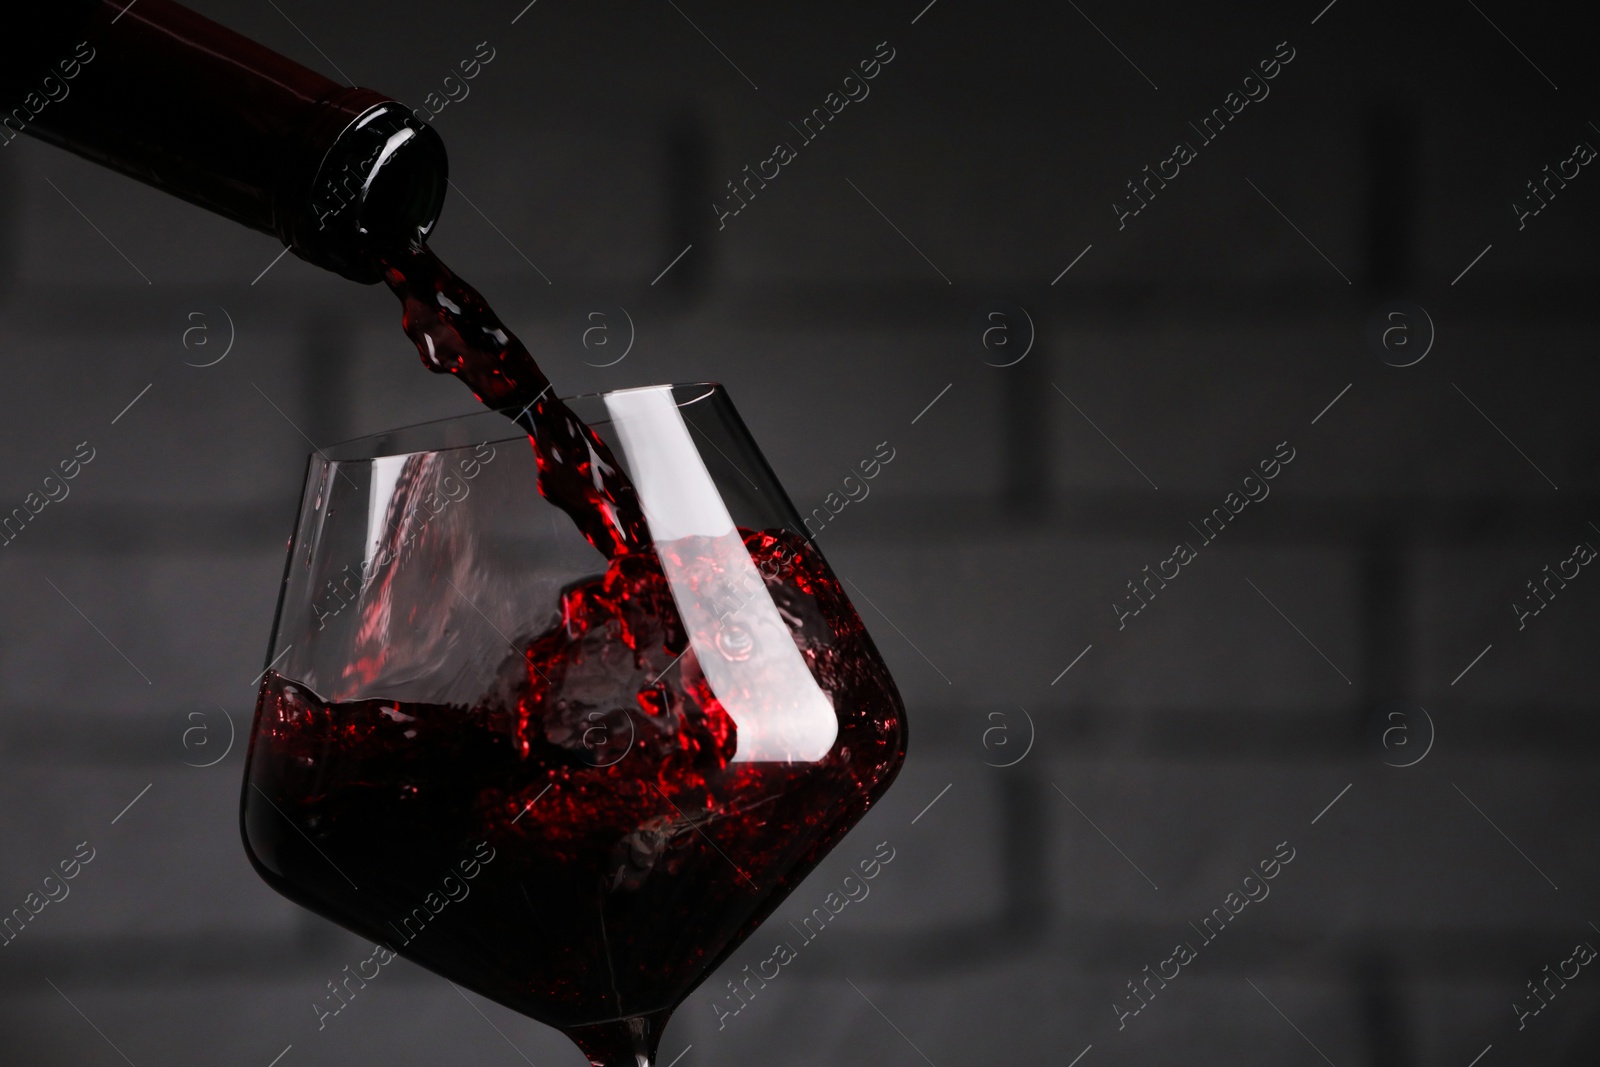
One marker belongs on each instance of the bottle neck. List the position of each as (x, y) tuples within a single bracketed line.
[(171, 98)]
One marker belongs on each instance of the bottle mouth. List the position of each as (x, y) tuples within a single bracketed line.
[(379, 188)]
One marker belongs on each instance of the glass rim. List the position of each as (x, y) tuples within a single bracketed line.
[(497, 425)]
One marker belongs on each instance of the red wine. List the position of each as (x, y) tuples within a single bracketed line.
[(457, 333), (622, 850), (634, 790)]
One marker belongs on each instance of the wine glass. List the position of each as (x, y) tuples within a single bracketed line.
[(569, 784)]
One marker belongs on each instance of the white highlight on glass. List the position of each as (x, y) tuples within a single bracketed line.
[(746, 654)]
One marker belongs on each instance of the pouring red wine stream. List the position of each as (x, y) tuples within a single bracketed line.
[(457, 333)]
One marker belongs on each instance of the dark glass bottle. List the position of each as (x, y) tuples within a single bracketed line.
[(167, 96)]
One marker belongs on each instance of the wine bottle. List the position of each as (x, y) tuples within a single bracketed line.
[(153, 90)]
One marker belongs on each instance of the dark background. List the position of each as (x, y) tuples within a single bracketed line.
[(1220, 722)]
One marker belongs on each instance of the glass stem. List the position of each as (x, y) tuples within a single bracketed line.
[(627, 1042)]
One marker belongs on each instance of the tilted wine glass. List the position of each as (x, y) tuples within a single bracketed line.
[(573, 786)]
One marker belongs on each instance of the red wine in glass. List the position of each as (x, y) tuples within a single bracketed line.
[(582, 822)]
